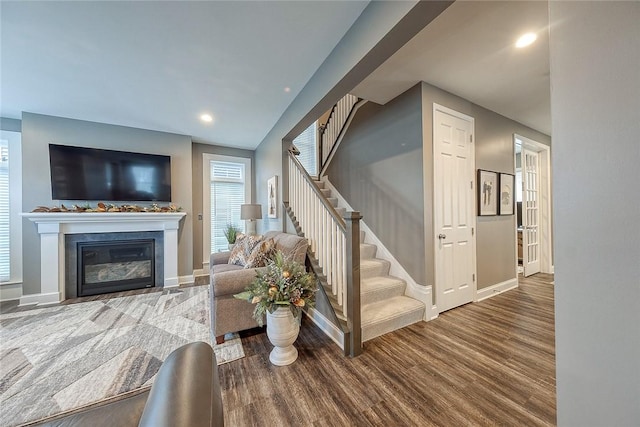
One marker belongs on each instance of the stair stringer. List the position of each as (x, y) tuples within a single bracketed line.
[(422, 293)]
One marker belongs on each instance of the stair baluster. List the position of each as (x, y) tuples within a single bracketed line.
[(335, 243)]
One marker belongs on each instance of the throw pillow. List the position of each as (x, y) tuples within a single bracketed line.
[(243, 248), (260, 254)]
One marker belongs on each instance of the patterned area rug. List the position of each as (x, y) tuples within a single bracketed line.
[(59, 358)]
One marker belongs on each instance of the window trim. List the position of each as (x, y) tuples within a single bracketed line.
[(207, 158)]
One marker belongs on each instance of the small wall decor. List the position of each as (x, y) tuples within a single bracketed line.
[(272, 197), (507, 186), (487, 193)]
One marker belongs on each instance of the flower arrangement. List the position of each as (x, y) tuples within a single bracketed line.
[(284, 283)]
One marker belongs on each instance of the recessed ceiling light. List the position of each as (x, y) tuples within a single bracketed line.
[(287, 89), (526, 40), (206, 118)]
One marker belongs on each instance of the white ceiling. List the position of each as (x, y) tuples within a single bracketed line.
[(469, 50), (159, 65)]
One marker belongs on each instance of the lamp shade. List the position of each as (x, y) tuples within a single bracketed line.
[(251, 211)]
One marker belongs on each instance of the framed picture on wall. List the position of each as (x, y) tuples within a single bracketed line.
[(272, 197), (487, 193), (507, 193)]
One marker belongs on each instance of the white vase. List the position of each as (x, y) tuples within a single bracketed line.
[(282, 330)]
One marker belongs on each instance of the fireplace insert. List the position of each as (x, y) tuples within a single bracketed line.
[(114, 266)]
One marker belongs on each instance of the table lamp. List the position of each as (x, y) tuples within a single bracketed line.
[(251, 212)]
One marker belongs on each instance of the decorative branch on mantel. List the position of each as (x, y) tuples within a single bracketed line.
[(103, 207)]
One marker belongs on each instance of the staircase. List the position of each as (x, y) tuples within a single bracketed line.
[(384, 307)]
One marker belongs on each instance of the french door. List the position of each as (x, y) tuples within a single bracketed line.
[(531, 212)]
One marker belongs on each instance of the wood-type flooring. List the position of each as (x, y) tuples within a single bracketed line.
[(484, 364)]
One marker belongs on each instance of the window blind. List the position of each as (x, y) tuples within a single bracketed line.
[(5, 253), (306, 143), (227, 194)]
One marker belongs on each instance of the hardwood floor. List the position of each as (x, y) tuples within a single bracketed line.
[(488, 363)]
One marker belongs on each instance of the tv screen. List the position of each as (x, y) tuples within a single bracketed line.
[(79, 173)]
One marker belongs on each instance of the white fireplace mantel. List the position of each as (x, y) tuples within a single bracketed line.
[(53, 226)]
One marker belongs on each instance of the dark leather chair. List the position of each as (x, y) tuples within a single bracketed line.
[(186, 392)]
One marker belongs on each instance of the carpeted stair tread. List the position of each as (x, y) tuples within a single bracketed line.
[(367, 251), (373, 267), (333, 201), (380, 288), (386, 316), (326, 192)]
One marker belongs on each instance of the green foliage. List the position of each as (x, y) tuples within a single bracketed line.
[(231, 232), (284, 283)]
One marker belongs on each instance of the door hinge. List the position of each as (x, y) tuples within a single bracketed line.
[(472, 184), (470, 137), (474, 277), (472, 231)]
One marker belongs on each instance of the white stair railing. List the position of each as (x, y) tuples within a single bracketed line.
[(335, 124), (335, 243), (325, 233)]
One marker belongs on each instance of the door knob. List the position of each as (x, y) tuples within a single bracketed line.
[(442, 236)]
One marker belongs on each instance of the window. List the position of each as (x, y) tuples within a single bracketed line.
[(306, 143), (5, 219), (226, 186), (10, 208), (227, 194)]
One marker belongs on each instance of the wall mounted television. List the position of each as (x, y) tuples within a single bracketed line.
[(92, 174)]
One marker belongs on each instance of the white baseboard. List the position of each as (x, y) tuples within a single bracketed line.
[(327, 327), (201, 272), (40, 299), (10, 291), (434, 312), (496, 289), (186, 280), (422, 294)]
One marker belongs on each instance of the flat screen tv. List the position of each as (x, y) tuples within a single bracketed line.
[(81, 174)]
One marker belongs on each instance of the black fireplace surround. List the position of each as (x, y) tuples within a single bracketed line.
[(100, 263)]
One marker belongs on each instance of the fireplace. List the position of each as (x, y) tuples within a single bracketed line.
[(100, 263), (114, 266), (60, 231)]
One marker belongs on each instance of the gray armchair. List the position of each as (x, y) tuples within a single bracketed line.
[(186, 392), (229, 314)]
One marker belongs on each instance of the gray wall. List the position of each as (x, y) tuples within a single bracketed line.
[(197, 150), (595, 107), (381, 29), (378, 169), (13, 125), (495, 241), (39, 130)]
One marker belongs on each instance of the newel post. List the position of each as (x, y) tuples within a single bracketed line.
[(352, 222)]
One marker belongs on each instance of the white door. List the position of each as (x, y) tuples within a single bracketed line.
[(530, 212), (454, 208)]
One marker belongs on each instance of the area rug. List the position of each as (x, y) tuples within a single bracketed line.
[(55, 359)]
